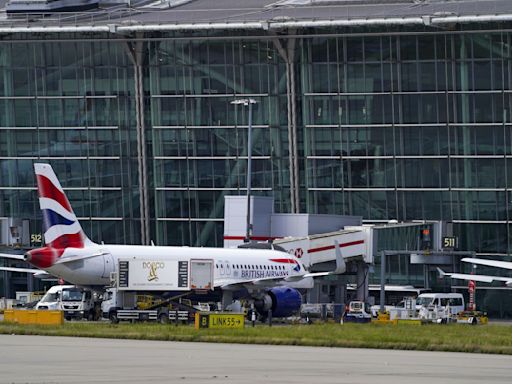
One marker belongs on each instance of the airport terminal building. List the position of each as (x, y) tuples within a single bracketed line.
[(385, 109)]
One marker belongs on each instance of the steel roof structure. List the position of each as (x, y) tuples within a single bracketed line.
[(194, 15)]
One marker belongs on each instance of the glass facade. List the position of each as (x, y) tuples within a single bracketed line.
[(70, 104), (415, 126), (199, 139), (406, 126)]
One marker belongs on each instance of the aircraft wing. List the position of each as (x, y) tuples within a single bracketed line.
[(489, 263), (36, 272), (480, 278), (12, 256)]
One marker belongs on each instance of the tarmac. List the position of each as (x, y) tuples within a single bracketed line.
[(43, 359)]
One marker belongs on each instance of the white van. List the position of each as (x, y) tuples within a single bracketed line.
[(441, 300), (52, 300)]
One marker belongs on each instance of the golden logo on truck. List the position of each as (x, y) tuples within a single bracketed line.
[(153, 266)]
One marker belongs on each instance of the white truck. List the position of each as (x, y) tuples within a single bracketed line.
[(171, 278), (76, 302)]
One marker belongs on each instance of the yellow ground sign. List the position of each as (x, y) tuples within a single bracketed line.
[(34, 317), (220, 320)]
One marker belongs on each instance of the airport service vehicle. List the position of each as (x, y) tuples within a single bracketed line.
[(452, 301), (472, 317), (358, 312), (77, 303), (51, 299), (119, 305), (270, 277), (176, 275), (374, 309)]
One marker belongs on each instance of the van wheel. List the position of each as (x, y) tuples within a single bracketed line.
[(90, 316), (113, 318)]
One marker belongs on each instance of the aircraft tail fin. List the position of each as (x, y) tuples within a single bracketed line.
[(60, 225)]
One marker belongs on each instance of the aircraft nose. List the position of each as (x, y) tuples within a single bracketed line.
[(27, 256)]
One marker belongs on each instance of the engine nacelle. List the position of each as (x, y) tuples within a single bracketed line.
[(283, 301)]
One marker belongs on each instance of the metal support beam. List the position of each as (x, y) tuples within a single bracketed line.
[(135, 53), (362, 281), (288, 55), (382, 281)]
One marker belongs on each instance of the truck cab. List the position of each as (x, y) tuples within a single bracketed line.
[(78, 303), (113, 300)]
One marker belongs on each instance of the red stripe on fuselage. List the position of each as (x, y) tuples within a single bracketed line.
[(286, 261), (46, 189)]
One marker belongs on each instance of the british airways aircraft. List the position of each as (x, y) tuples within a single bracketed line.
[(270, 276)]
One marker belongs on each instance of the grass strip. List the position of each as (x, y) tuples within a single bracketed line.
[(494, 339)]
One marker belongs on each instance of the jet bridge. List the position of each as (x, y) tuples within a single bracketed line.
[(355, 245), (311, 238), (317, 253)]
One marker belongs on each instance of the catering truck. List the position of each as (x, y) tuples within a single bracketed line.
[(163, 280)]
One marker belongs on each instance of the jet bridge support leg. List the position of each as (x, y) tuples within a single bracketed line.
[(341, 291), (227, 299), (312, 294), (362, 281)]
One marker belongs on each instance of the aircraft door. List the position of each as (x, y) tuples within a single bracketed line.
[(228, 269), (108, 265)]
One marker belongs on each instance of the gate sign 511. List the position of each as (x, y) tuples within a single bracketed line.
[(450, 242)]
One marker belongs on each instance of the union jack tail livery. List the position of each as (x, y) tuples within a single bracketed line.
[(67, 252), (60, 225)]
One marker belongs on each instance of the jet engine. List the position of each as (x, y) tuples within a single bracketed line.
[(283, 301)]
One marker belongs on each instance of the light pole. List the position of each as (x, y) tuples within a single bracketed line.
[(248, 102)]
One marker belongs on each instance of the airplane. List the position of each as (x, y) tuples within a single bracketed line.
[(481, 278), (270, 276)]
